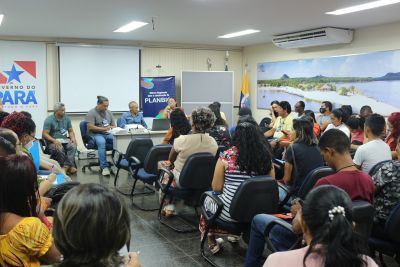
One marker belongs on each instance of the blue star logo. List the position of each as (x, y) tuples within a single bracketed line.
[(13, 74)]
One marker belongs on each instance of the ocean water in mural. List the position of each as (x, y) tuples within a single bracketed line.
[(366, 79)]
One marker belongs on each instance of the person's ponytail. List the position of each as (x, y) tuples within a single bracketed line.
[(328, 216)]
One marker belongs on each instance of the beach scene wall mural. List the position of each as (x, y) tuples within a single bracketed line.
[(357, 80)]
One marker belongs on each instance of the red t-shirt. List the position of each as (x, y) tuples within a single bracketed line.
[(357, 184)]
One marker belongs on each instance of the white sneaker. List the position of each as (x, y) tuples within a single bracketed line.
[(233, 238), (105, 172)]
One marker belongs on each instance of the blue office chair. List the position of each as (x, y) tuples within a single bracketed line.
[(90, 143)]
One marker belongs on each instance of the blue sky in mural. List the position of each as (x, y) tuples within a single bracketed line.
[(365, 65)]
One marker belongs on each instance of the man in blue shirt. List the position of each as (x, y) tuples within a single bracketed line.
[(132, 117)]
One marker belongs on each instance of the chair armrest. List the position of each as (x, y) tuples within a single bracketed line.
[(134, 160), (170, 179), (287, 197), (211, 218), (268, 228), (116, 156)]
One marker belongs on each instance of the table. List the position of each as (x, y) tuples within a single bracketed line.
[(122, 140)]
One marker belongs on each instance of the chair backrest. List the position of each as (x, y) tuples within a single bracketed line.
[(312, 178), (156, 154), (363, 214), (393, 224), (376, 167), (254, 196), (139, 147), (198, 171), (119, 122), (88, 141)]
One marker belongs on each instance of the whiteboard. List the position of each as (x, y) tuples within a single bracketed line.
[(201, 88), (89, 71)]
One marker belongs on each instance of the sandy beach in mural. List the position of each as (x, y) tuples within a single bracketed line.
[(355, 100)]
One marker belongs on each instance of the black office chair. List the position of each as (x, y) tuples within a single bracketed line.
[(195, 178), (90, 143), (363, 213), (388, 241), (363, 217), (376, 167), (132, 159), (254, 196), (307, 185), (149, 173)]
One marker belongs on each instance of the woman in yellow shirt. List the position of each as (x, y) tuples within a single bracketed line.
[(24, 239)]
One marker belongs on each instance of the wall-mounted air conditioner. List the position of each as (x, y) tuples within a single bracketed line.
[(314, 37)]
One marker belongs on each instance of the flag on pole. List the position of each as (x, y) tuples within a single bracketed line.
[(244, 95)]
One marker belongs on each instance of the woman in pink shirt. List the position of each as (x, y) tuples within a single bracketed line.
[(326, 221)]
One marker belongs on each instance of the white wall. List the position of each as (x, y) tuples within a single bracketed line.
[(370, 39)]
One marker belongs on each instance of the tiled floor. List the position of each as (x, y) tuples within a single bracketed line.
[(159, 245)]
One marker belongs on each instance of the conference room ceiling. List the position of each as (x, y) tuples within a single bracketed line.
[(181, 21)]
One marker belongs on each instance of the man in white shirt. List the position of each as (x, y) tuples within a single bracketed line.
[(375, 150)]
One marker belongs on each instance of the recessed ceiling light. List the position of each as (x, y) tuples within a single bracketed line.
[(131, 26), (236, 34), (361, 7), (1, 18)]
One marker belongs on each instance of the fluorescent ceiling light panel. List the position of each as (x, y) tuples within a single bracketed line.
[(241, 33), (131, 26), (1, 18), (361, 7)]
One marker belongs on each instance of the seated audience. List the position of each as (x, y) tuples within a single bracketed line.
[(299, 109), (25, 129), (394, 132), (325, 118), (179, 126), (365, 111), (375, 149), (74, 229), (387, 193), (356, 127), (283, 124), (316, 127), (170, 107), (338, 120), (242, 113), (133, 116), (24, 239), (219, 131), (326, 220), (335, 149), (249, 156), (187, 145), (60, 138), (99, 122), (223, 116), (302, 156), (274, 112)]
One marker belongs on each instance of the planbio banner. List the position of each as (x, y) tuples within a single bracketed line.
[(23, 79), (155, 94)]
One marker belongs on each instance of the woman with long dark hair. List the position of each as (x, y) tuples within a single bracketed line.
[(179, 126), (24, 239), (302, 156), (96, 239), (249, 156), (220, 130), (326, 219)]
